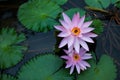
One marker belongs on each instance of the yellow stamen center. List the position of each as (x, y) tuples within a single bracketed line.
[(76, 57), (76, 31)]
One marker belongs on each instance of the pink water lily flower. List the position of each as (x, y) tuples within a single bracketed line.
[(75, 32), (77, 60)]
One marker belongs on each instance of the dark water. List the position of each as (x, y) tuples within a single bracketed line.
[(108, 42)]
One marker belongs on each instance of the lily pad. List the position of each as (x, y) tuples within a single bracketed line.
[(93, 3), (60, 2), (72, 11), (39, 15), (7, 77), (45, 67), (114, 1), (117, 4), (100, 3), (62, 74), (104, 70), (98, 25), (10, 51)]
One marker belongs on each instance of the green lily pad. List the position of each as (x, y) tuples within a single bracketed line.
[(104, 70), (39, 15), (114, 1), (93, 3), (98, 25), (62, 74), (117, 4), (100, 3), (10, 51), (45, 67), (7, 77), (60, 2), (72, 11)]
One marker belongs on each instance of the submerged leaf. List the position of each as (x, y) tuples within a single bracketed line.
[(10, 51), (7, 77), (39, 15), (104, 70), (44, 67)]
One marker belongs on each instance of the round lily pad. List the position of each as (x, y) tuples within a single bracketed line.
[(39, 15), (41, 68), (10, 51), (98, 25), (72, 11), (104, 70), (100, 3), (60, 2), (7, 77)]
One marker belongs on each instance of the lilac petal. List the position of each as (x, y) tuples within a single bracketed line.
[(87, 39), (87, 56), (78, 68), (76, 45), (60, 28), (82, 65), (81, 21), (80, 35), (66, 51), (86, 30), (71, 69), (69, 64), (90, 34), (84, 45), (65, 25), (63, 42), (70, 41), (82, 68), (87, 24), (63, 34), (82, 51), (75, 19), (66, 18), (65, 57), (86, 63), (70, 49)]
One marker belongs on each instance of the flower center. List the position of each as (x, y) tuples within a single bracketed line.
[(76, 57), (76, 31)]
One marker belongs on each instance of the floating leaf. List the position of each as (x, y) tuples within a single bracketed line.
[(104, 70), (93, 3), (114, 1), (62, 74), (72, 11), (44, 67), (118, 4), (39, 15), (105, 3), (100, 3), (60, 2), (10, 52), (7, 77), (98, 25)]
